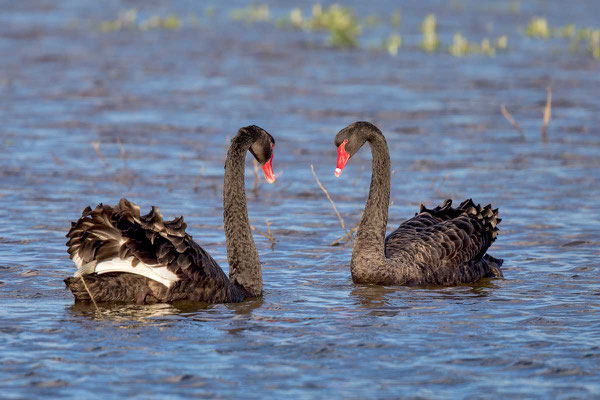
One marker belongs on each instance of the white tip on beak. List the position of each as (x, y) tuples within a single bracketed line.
[(337, 172)]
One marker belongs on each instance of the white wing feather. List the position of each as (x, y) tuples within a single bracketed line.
[(158, 274)]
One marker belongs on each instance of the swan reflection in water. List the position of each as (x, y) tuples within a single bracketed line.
[(161, 313), (391, 301)]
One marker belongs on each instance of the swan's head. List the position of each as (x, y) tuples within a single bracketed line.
[(262, 149), (350, 139)]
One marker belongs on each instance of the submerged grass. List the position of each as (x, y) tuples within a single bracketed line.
[(128, 20), (539, 28), (348, 233), (91, 296), (345, 27), (461, 46), (268, 235), (329, 198), (512, 121), (392, 44), (251, 14), (341, 23), (547, 115), (430, 41)]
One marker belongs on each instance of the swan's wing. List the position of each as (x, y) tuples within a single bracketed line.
[(119, 239), (445, 236)]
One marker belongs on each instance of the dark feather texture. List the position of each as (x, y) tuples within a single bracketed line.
[(448, 243), (108, 233), (441, 246)]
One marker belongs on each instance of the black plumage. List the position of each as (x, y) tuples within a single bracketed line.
[(106, 233), (439, 246)]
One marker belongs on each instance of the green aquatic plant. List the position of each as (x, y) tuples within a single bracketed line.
[(341, 23), (251, 14), (296, 18), (396, 18), (502, 42), (430, 42), (486, 48), (392, 44), (171, 21), (594, 44), (567, 31), (591, 37), (126, 20), (538, 28), (460, 45)]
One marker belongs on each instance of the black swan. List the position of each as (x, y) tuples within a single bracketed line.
[(441, 246), (124, 257)]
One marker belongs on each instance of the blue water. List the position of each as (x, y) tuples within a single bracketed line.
[(173, 99)]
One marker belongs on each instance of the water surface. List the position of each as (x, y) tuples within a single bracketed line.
[(173, 100)]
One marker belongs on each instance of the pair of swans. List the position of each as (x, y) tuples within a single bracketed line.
[(124, 256)]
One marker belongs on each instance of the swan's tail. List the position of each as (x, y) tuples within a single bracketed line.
[(487, 216)]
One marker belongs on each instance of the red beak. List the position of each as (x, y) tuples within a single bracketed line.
[(343, 158), (268, 170)]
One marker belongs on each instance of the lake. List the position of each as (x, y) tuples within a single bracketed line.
[(96, 107)]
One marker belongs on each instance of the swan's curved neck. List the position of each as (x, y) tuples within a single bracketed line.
[(244, 264), (369, 245)]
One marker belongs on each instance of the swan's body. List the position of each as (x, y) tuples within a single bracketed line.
[(441, 246), (124, 256)]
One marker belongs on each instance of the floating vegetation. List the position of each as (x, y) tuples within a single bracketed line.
[(430, 42), (502, 42), (567, 31), (538, 28), (155, 22), (396, 18), (296, 18), (340, 22), (128, 19), (461, 46), (486, 48), (345, 29), (251, 14), (594, 44), (392, 44), (592, 37)]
